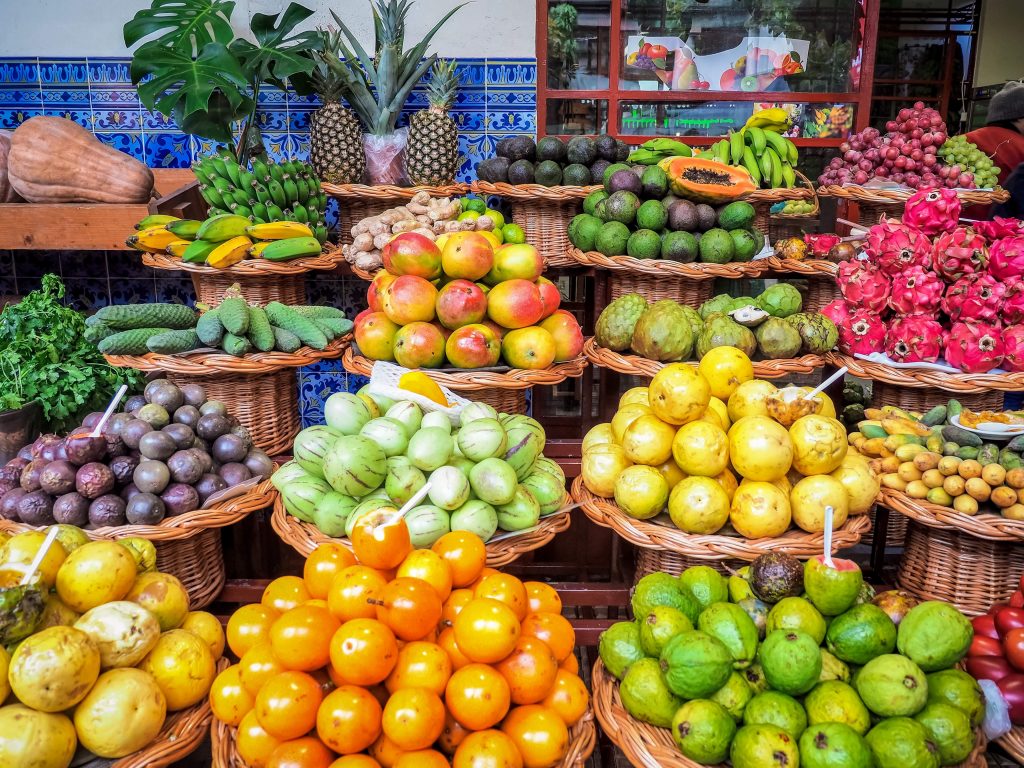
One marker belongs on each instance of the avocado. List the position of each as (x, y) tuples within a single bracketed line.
[(606, 147), (679, 246), (583, 231), (591, 201), (601, 209), (494, 170), (682, 216), (576, 175), (716, 247), (521, 172), (551, 148), (744, 245), (548, 173), (706, 217), (521, 148), (639, 170), (651, 215), (775, 576), (612, 238), (738, 214), (597, 169), (501, 148), (644, 244), (581, 150), (624, 181), (622, 206), (654, 183), (622, 150), (610, 171)]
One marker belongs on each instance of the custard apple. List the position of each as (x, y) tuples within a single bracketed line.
[(663, 333), (781, 300), (614, 328)]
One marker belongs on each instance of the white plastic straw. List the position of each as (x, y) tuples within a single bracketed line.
[(47, 543), (828, 537), (813, 393), (407, 507), (110, 410)]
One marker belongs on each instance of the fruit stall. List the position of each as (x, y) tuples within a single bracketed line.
[(418, 443)]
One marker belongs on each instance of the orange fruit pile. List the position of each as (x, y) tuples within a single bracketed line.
[(401, 658)]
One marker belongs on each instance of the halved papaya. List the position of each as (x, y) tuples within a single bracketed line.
[(706, 181)]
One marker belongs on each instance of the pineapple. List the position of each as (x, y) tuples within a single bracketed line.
[(432, 153), (335, 133)]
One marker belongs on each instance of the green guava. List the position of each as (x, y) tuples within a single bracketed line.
[(645, 695), (892, 686), (703, 731), (834, 701), (791, 661)]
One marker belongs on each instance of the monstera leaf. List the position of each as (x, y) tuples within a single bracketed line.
[(275, 56), (186, 25), (203, 94)]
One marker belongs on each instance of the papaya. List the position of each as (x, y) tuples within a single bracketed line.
[(706, 181)]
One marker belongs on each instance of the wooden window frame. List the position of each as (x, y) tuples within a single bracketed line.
[(614, 94)]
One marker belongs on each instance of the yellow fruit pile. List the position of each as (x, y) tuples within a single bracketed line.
[(715, 446), (113, 651), (401, 658)]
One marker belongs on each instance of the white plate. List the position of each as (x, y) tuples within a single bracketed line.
[(992, 430)]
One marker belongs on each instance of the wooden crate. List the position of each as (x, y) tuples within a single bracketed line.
[(81, 226)]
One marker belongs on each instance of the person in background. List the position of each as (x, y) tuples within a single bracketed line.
[(1002, 138), (1014, 207)]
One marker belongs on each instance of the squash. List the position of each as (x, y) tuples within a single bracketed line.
[(7, 193), (706, 181), (54, 160)]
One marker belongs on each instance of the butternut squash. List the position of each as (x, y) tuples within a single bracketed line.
[(7, 193), (55, 160)]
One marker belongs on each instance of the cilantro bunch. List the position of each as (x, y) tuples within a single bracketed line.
[(45, 357)]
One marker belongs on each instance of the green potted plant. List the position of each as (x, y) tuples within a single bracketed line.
[(194, 69), (50, 374)]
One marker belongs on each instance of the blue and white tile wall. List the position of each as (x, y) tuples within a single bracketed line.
[(498, 98)]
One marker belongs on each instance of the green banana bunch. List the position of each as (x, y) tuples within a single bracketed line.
[(263, 192), (654, 151), (767, 156)]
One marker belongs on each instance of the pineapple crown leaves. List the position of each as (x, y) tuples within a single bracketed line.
[(378, 92), (444, 82)]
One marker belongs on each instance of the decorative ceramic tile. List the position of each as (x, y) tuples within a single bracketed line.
[(84, 263), (515, 98), (37, 263), (25, 285), (12, 118), (20, 70), (114, 97), (298, 119), (86, 294), (175, 290), (272, 118), (8, 285), (60, 73), (108, 71), (511, 72), (512, 121), (471, 72), (130, 143), (77, 96), (126, 264), (133, 291), (168, 150), (82, 116), (20, 95), (6, 263), (154, 121), (120, 119)]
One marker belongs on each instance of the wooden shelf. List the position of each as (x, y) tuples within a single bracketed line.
[(80, 226)]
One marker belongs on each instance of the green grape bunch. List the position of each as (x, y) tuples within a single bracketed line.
[(967, 164)]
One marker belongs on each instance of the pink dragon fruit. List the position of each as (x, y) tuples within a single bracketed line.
[(837, 311), (862, 333), (974, 297), (932, 211), (999, 228), (864, 285), (1013, 341), (916, 291), (974, 347), (1006, 257), (1013, 302), (958, 253), (895, 247), (914, 339)]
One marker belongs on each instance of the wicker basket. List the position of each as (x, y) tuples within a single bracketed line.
[(188, 545), (985, 525), (182, 734), (875, 203), (650, 561), (777, 225), (644, 533), (259, 389), (1013, 743), (681, 289), (820, 291), (304, 537), (921, 400), (505, 391), (736, 270), (895, 532), (647, 746), (968, 572), (358, 201), (582, 740), (634, 365)]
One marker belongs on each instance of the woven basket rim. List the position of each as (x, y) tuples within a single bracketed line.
[(560, 193), (635, 365), (181, 735), (814, 196), (702, 271), (182, 526), (925, 378), (1013, 742), (305, 537), (711, 546), (472, 381), (218, 363), (985, 525), (329, 259), (899, 196), (391, 192)]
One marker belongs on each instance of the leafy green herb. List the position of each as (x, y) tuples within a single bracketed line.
[(44, 357)]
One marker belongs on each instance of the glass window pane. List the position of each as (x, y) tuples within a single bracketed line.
[(717, 118), (578, 44), (584, 116), (739, 45)]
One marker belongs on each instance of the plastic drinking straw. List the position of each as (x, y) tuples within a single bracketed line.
[(110, 410)]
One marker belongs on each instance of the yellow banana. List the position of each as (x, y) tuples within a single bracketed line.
[(256, 250), (226, 226), (278, 230), (177, 248), (153, 239), (776, 116), (229, 252), (155, 220), (292, 248)]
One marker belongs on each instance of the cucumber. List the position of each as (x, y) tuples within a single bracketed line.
[(128, 316), (955, 434), (303, 327), (319, 313), (340, 325), (173, 342), (131, 342), (234, 314), (325, 329), (285, 341), (260, 333), (210, 329), (1009, 459), (953, 408), (236, 345), (97, 332), (935, 416)]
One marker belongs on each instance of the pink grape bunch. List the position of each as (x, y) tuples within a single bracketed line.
[(908, 154)]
